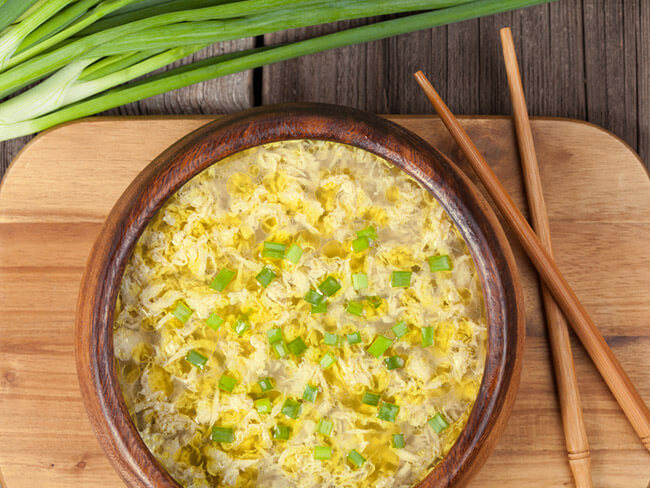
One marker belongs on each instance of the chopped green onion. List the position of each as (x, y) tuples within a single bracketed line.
[(263, 405), (265, 276), (182, 312), (360, 244), (331, 339), (400, 279), (374, 301), (329, 286), (274, 335), (294, 253), (227, 383), (354, 338), (281, 432), (223, 278), (394, 362), (291, 408), (370, 232), (360, 281), (427, 336), (327, 360), (297, 346), (214, 321), (355, 308), (241, 325), (388, 412), (355, 458), (379, 346), (266, 384), (196, 358), (371, 399), (440, 262), (324, 427), (322, 452), (222, 434), (314, 298), (310, 394), (398, 441), (273, 250), (438, 423), (280, 349), (321, 308), (400, 329)]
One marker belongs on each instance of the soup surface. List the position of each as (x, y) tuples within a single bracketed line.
[(300, 314)]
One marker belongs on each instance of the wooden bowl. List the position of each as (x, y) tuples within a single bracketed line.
[(191, 155)]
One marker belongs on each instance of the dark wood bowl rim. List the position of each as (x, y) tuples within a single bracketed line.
[(195, 152)]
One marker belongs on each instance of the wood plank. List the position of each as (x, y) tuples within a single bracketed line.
[(52, 206)]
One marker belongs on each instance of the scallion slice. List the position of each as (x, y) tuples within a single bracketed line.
[(400, 329), (438, 423), (294, 253), (227, 383), (427, 336), (222, 434), (371, 399), (310, 394), (291, 408), (280, 349), (331, 339), (398, 441), (281, 432), (322, 452), (354, 338), (327, 360), (274, 335), (379, 346), (321, 308), (196, 358), (324, 427), (370, 232), (214, 321), (355, 308), (182, 312), (388, 412), (223, 278), (374, 301), (360, 244), (400, 279), (314, 298), (265, 276), (263, 405), (266, 384), (355, 458), (360, 281), (329, 286), (297, 346), (440, 262), (394, 362), (241, 325), (273, 250)]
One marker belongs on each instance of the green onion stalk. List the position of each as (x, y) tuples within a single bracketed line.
[(83, 71)]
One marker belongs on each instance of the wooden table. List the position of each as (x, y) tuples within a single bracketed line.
[(584, 59)]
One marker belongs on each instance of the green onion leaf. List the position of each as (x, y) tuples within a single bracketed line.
[(371, 399), (214, 321), (379, 346), (291, 408), (297, 346), (324, 427), (241, 325), (400, 279), (314, 298), (360, 281), (354, 338), (263, 405), (281, 432), (355, 308), (223, 278), (280, 349), (274, 335), (273, 250), (321, 308), (398, 441), (222, 434), (227, 383), (322, 452), (329, 286), (327, 360), (294, 253), (370, 232), (374, 301), (438, 423), (394, 362), (400, 329), (266, 384), (265, 276), (360, 244), (440, 262), (388, 412), (182, 312), (427, 336), (310, 394), (331, 339), (196, 359), (355, 458)]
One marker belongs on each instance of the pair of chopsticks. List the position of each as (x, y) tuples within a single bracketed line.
[(559, 297)]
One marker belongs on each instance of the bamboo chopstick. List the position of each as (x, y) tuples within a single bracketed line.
[(565, 375), (610, 369)]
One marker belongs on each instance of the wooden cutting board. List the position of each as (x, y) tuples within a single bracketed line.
[(60, 188)]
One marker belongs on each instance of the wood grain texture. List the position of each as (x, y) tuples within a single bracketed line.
[(52, 207)]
